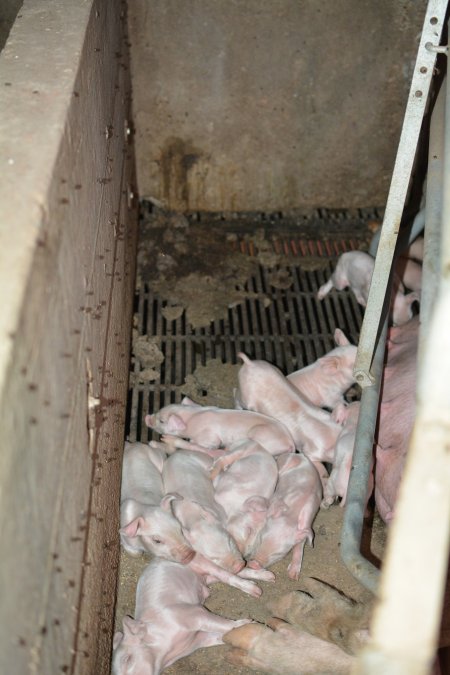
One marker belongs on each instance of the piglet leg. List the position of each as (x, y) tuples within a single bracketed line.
[(230, 457), (211, 626), (326, 613), (295, 565), (325, 289), (176, 443), (283, 649), (260, 575), (213, 572)]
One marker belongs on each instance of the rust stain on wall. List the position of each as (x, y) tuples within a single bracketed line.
[(177, 158)]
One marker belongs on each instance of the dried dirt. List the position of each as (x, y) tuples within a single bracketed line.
[(182, 263)]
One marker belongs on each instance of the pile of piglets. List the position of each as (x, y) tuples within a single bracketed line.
[(225, 493)]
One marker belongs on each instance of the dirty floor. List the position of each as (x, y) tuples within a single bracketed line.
[(206, 291)]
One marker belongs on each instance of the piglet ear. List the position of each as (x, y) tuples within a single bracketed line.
[(340, 338), (130, 626), (204, 513), (277, 508), (132, 529), (187, 401), (256, 503), (175, 424), (166, 501), (330, 364), (117, 639)]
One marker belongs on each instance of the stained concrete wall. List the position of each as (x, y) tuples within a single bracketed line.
[(67, 252), (8, 13), (270, 104)]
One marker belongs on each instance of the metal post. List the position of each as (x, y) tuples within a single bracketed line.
[(418, 95), (363, 570), (404, 631)]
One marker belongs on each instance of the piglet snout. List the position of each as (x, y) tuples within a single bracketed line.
[(150, 420), (237, 566), (187, 556), (254, 565)]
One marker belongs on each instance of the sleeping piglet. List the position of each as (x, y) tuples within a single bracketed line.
[(170, 620), (263, 387), (325, 381), (209, 428), (291, 512), (147, 522), (245, 479), (186, 475)]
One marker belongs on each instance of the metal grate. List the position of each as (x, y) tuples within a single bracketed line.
[(291, 332)]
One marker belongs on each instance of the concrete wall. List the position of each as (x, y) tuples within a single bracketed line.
[(8, 13), (270, 104), (67, 251)]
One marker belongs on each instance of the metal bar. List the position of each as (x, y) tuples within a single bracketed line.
[(404, 241), (366, 573), (417, 99), (432, 255), (405, 626)]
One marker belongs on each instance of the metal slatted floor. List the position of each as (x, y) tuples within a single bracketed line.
[(292, 331)]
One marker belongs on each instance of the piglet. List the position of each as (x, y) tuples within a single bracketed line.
[(415, 250), (187, 475), (264, 388), (325, 381), (209, 428), (291, 512), (410, 272), (317, 631), (170, 621), (245, 479), (342, 462), (147, 522), (354, 269)]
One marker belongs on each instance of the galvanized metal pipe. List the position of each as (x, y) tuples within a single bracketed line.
[(404, 240), (431, 266), (363, 570), (418, 96), (405, 626), (370, 356)]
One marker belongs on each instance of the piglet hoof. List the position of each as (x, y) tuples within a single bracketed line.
[(293, 571), (326, 503), (170, 443), (242, 641), (254, 565), (260, 575), (159, 445)]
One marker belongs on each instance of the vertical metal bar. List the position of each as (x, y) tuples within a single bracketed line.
[(418, 95), (360, 567), (432, 255), (404, 631)]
